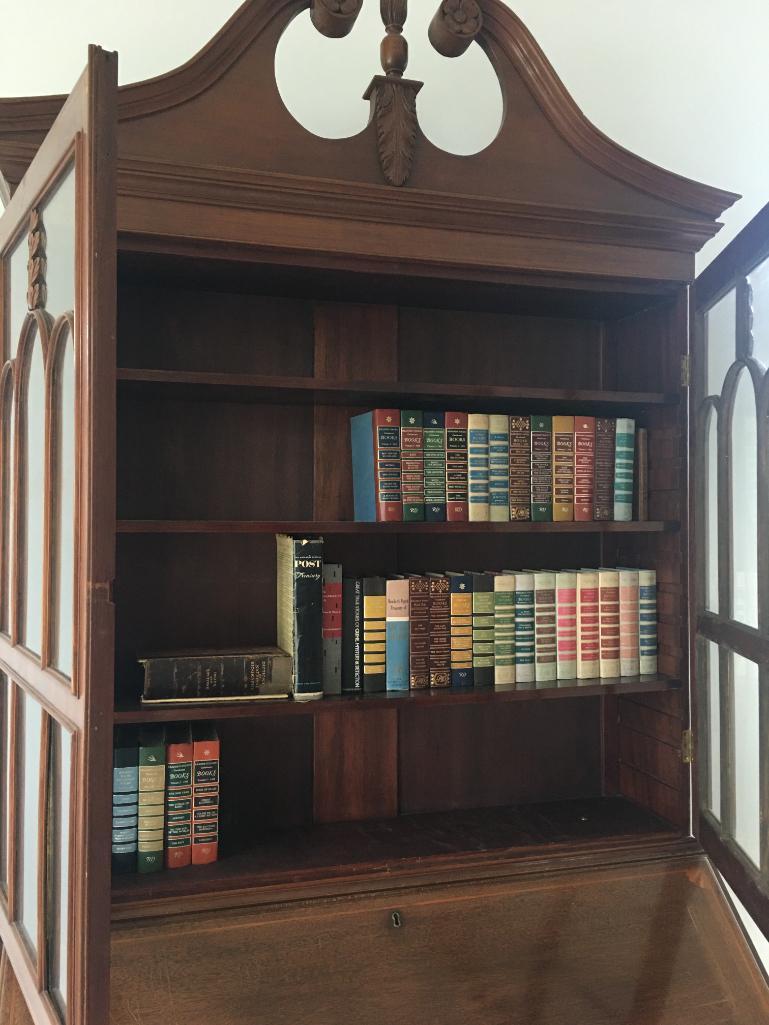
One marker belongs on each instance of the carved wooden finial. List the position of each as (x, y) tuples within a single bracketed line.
[(455, 25), (394, 49), (335, 18), (37, 291)]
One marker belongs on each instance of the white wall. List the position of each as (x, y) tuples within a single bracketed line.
[(682, 82)]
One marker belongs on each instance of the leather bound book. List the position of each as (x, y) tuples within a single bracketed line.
[(647, 621), (374, 635), (584, 467), (332, 628), (478, 466), (504, 629), (588, 627), (352, 635), (205, 794), (456, 467), (461, 595), (434, 436), (608, 596), (629, 663), (412, 465), (125, 799), (566, 623), (152, 794), (499, 468), (642, 474), (545, 667), (440, 630), (603, 498), (563, 468), (520, 468), (178, 795), (524, 628), (199, 677), (624, 465), (419, 633), (541, 468), (376, 466), (300, 610), (483, 629), (397, 633)]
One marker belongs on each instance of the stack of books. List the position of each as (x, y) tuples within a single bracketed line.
[(410, 465)]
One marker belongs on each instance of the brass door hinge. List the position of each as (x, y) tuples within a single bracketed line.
[(686, 371), (687, 747)]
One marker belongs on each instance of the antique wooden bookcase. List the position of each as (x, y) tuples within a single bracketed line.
[(197, 293)]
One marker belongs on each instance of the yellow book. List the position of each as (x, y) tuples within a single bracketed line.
[(563, 468)]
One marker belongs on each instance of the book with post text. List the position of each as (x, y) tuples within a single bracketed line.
[(300, 611)]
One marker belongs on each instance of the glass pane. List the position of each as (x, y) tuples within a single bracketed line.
[(30, 726), (59, 220), (58, 927), (711, 514), (709, 671), (64, 543), (747, 773), (5, 722), (744, 504), (32, 628), (6, 509), (17, 267), (720, 340), (759, 282)]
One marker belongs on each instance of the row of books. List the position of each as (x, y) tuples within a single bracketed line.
[(409, 465), (165, 797)]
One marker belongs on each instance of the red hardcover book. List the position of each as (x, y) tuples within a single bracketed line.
[(456, 467), (419, 633), (376, 466), (205, 794), (584, 467), (178, 796)]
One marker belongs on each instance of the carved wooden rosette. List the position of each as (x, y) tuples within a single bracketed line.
[(335, 18), (455, 25), (37, 291), (394, 109)]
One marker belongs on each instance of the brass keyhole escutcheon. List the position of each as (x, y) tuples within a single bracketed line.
[(396, 920)]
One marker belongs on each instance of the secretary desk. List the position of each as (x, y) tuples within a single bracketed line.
[(197, 293)]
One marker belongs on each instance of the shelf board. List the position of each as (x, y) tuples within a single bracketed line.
[(350, 527), (189, 384), (408, 843), (397, 699)]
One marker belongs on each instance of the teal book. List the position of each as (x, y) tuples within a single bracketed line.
[(499, 468), (542, 468), (647, 621), (397, 633), (624, 459)]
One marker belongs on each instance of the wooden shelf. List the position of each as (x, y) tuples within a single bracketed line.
[(396, 699), (263, 388), (349, 527), (415, 842)]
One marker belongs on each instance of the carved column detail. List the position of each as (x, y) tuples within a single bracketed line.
[(37, 264), (335, 18), (455, 25)]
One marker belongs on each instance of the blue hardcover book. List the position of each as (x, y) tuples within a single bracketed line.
[(478, 466), (434, 440), (499, 467), (397, 633), (125, 799), (461, 596), (376, 466), (624, 458)]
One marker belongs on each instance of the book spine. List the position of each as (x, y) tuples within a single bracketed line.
[(206, 677), (647, 621), (642, 474), (520, 468), (603, 501), (504, 629), (544, 627), (588, 627), (461, 585), (435, 467), (524, 628), (412, 465), (563, 468), (397, 634), (352, 638), (456, 467), (332, 628), (374, 635), (419, 633), (584, 467), (499, 468), (304, 590), (566, 624), (478, 467), (125, 801), (483, 630), (541, 468), (629, 664), (152, 792), (179, 799), (440, 631), (608, 597), (205, 797), (376, 465), (624, 445)]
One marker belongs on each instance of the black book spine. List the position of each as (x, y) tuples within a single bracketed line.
[(374, 635), (352, 621), (300, 610)]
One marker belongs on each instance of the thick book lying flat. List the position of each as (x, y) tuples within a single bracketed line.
[(203, 676)]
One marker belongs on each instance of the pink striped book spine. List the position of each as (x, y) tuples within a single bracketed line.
[(566, 623), (608, 586), (588, 648), (629, 660)]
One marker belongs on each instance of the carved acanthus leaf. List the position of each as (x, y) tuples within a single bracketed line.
[(395, 113), (37, 264), (335, 18)]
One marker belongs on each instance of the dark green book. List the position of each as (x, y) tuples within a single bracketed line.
[(542, 468), (412, 465)]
